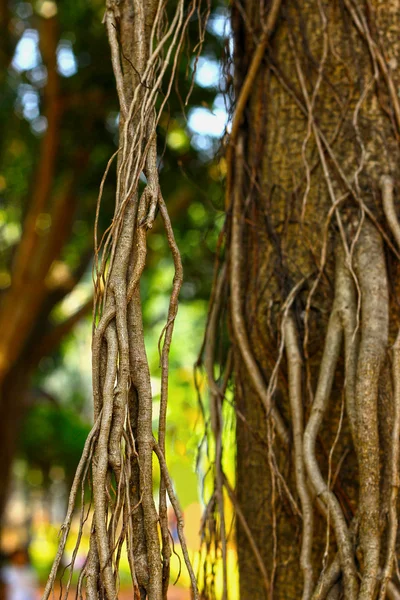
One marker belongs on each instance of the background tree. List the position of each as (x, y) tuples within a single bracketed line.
[(308, 278), (59, 123), (47, 187)]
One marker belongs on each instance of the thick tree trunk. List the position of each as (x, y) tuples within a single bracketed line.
[(13, 395), (319, 130)]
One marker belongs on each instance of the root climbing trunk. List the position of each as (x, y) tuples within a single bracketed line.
[(309, 273)]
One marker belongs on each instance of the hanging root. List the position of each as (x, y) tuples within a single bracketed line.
[(217, 393), (327, 371), (371, 271), (391, 216), (327, 580), (65, 528), (394, 459), (179, 517), (388, 206), (347, 299), (167, 332), (145, 42), (296, 407)]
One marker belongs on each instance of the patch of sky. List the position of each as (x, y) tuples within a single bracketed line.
[(207, 126), (208, 72), (66, 61), (219, 23), (203, 144), (221, 102), (28, 102), (38, 76), (207, 122), (39, 126), (112, 121), (27, 55)]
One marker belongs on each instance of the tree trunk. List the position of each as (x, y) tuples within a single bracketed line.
[(13, 394), (313, 259)]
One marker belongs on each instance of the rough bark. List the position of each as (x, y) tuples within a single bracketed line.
[(308, 150)]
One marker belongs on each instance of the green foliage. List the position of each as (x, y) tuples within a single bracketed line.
[(190, 177), (53, 436)]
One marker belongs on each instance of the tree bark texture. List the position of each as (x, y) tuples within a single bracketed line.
[(312, 256)]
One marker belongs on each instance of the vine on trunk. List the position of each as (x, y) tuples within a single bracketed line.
[(293, 376)]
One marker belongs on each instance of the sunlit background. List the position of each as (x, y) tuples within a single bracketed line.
[(57, 416)]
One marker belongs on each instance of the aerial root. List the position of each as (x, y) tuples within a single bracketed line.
[(330, 575), (394, 461), (327, 579), (179, 517), (370, 268), (65, 528), (100, 467), (217, 393), (296, 407), (391, 216), (120, 448), (330, 356), (166, 334)]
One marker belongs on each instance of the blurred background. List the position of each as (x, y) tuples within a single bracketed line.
[(58, 128)]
